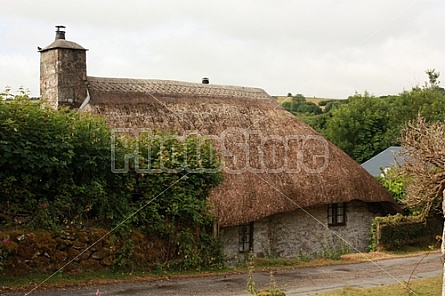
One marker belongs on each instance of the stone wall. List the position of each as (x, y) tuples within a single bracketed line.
[(304, 233), (76, 250), (286, 235)]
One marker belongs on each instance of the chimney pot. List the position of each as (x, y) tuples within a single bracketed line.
[(60, 33), (205, 80)]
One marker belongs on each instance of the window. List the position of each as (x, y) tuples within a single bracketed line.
[(245, 237), (337, 214)]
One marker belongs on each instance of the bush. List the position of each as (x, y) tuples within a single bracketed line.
[(397, 232), (61, 168), (54, 165)]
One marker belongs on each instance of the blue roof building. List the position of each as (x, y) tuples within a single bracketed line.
[(385, 159)]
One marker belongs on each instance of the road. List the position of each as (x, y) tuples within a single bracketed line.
[(298, 281)]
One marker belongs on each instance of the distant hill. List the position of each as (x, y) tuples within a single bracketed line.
[(281, 99)]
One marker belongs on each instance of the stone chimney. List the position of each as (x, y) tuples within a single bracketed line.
[(63, 72)]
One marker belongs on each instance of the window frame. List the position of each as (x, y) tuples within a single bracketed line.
[(335, 211), (249, 240)]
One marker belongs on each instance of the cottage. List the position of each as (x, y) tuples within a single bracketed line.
[(287, 191)]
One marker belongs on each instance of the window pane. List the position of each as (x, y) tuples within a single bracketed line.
[(336, 213), (340, 211), (245, 237), (340, 219)]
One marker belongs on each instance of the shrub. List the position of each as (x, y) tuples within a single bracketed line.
[(56, 168), (397, 232)]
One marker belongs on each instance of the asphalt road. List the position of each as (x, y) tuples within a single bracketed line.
[(299, 281)]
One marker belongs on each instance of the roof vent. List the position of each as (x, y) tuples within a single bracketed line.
[(60, 33), (205, 80)]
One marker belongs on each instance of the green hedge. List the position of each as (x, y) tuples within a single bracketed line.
[(397, 232), (69, 169)]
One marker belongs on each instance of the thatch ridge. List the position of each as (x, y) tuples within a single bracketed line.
[(126, 90), (256, 185)]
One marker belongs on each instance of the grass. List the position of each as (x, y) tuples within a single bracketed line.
[(86, 278), (422, 287), (281, 263), (61, 279)]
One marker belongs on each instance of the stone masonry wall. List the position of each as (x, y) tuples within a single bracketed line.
[(63, 77), (76, 249), (301, 233), (48, 77)]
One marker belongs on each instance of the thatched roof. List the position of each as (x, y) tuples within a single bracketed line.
[(294, 166)]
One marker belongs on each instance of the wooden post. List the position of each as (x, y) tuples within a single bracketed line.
[(215, 229), (378, 238)]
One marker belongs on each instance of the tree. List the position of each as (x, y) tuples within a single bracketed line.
[(359, 127), (433, 77), (424, 163), (331, 104), (298, 99), (298, 105), (6, 95), (367, 125)]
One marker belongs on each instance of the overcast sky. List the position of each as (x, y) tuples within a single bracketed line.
[(316, 48)]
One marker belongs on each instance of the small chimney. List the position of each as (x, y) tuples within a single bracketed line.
[(205, 80), (60, 33)]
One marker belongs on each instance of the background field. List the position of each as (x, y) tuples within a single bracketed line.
[(281, 99)]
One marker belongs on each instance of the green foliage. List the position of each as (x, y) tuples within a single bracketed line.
[(124, 259), (54, 165), (56, 168), (310, 108), (273, 289), (297, 104), (3, 255), (372, 244), (186, 171), (433, 77), (367, 125), (395, 184), (421, 287), (359, 128), (333, 252), (397, 232), (250, 282), (364, 125), (317, 122), (22, 94), (332, 104)]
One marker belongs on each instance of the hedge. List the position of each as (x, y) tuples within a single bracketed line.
[(397, 232), (64, 168)]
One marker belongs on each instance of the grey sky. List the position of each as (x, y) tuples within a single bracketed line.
[(317, 48)]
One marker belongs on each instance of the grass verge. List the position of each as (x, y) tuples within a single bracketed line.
[(422, 287)]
